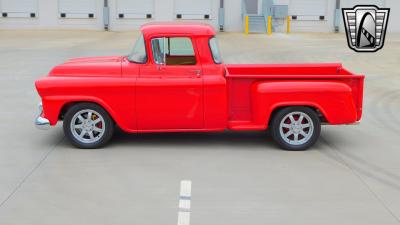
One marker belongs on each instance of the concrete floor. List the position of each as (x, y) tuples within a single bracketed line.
[(350, 177)]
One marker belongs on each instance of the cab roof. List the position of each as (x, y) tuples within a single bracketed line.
[(175, 28)]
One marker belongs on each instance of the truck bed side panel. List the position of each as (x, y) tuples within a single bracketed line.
[(333, 99), (253, 99)]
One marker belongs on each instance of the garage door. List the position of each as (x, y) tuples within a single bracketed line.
[(19, 8), (308, 9), (135, 9), (77, 8), (193, 9)]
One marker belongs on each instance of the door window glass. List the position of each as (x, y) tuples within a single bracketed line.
[(173, 51)]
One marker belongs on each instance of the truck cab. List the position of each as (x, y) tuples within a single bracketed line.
[(180, 82)]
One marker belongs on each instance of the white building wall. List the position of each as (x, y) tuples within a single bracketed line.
[(394, 18), (48, 16)]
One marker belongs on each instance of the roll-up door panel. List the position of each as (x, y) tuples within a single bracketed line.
[(77, 8), (135, 9), (19, 8), (193, 9), (308, 9)]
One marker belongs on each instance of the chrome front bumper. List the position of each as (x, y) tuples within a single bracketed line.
[(41, 122)]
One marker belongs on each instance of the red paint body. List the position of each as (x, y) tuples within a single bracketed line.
[(150, 98)]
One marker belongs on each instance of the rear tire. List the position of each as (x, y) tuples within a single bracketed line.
[(296, 128), (88, 126)]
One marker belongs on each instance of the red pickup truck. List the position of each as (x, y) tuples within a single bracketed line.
[(174, 80)]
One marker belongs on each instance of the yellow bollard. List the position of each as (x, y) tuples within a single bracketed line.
[(288, 24), (269, 29), (246, 25)]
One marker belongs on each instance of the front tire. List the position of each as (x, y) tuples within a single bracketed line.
[(87, 125), (296, 128)]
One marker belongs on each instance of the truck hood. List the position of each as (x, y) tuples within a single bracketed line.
[(105, 66)]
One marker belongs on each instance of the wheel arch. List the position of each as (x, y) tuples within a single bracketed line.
[(67, 105), (317, 109)]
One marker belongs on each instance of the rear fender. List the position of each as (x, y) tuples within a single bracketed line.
[(333, 99)]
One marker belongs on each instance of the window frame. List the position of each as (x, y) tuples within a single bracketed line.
[(152, 51)]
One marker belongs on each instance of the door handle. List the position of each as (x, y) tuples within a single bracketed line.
[(197, 73)]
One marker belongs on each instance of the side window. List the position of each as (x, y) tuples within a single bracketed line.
[(173, 51), (215, 50)]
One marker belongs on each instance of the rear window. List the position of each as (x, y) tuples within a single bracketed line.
[(215, 50)]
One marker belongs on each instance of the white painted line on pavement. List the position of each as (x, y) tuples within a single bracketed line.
[(184, 202)]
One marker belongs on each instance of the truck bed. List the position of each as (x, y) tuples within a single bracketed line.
[(294, 81)]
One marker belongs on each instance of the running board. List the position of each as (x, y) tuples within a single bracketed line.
[(245, 125)]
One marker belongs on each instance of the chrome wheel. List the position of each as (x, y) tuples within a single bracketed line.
[(296, 128), (87, 126)]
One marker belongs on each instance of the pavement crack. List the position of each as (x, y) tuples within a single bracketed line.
[(355, 173), (30, 173)]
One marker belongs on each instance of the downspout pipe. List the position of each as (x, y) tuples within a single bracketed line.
[(221, 16), (337, 16), (106, 15)]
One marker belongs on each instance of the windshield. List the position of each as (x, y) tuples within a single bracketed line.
[(138, 54), (215, 50)]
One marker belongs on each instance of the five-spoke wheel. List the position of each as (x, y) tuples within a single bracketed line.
[(88, 125), (296, 128)]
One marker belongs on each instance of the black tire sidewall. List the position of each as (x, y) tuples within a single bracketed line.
[(109, 124), (281, 114)]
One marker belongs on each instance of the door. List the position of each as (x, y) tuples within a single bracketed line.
[(133, 9), (193, 9), (170, 86), (19, 9), (77, 9)]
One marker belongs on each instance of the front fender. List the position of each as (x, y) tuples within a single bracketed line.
[(333, 99), (115, 95)]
